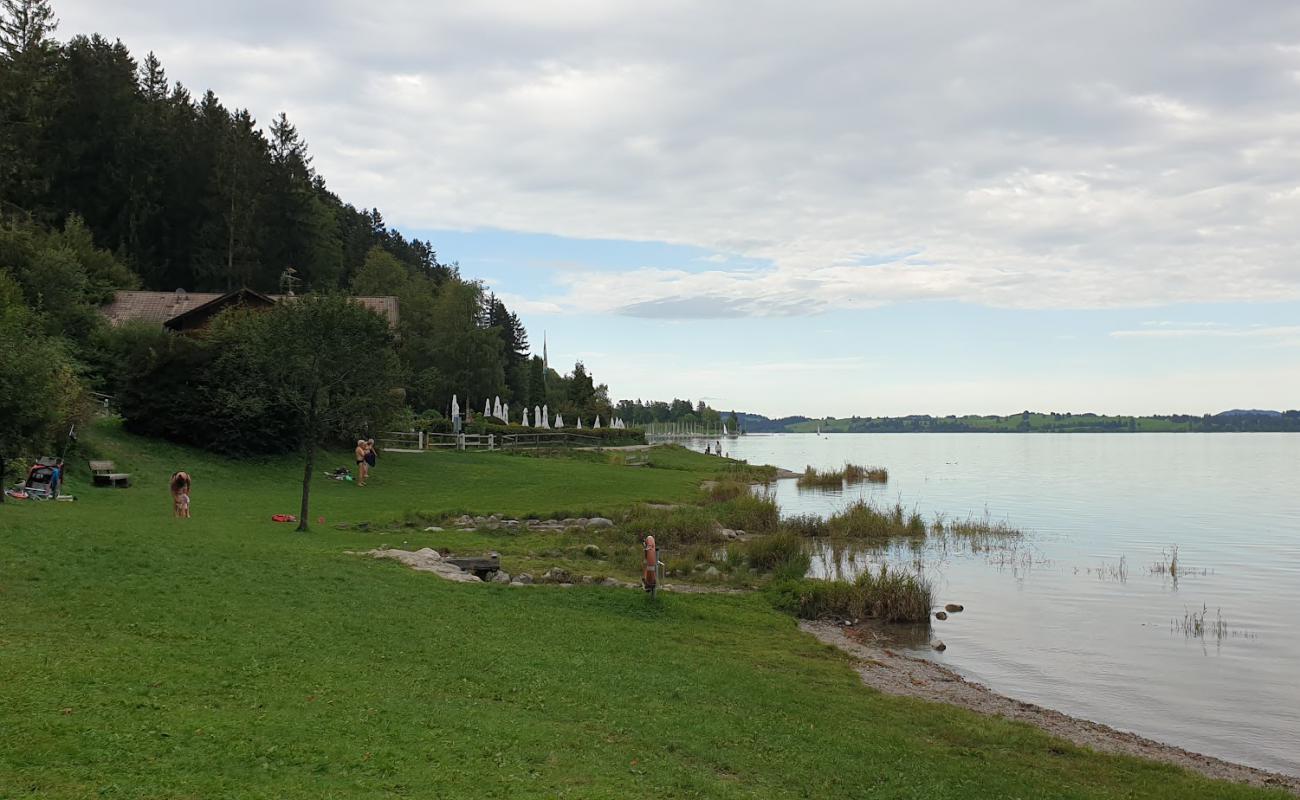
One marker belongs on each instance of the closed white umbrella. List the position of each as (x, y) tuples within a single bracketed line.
[(559, 420), (597, 425), (546, 417), (537, 416), (579, 423), (525, 423)]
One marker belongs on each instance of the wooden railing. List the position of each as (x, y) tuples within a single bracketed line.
[(513, 441), (419, 441)]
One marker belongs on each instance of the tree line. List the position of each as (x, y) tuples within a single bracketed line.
[(113, 177)]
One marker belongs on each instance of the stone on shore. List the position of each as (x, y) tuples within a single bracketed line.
[(954, 607)]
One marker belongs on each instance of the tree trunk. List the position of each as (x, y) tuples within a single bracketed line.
[(308, 465)]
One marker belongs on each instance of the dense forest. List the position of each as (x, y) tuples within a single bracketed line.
[(113, 177)]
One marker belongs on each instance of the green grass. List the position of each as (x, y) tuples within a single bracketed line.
[(227, 656)]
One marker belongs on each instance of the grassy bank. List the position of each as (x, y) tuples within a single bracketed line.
[(227, 656)]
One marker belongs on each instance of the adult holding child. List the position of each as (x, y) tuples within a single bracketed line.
[(180, 489), (372, 455)]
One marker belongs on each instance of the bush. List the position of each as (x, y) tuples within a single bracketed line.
[(750, 513), (887, 595), (835, 479), (673, 527), (726, 489), (40, 395), (228, 389), (782, 553), (807, 525), (861, 520)]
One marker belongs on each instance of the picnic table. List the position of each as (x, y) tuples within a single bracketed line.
[(104, 473)]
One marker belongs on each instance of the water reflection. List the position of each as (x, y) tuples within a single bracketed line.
[(1084, 612)]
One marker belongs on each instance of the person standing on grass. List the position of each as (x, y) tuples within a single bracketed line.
[(372, 455), (363, 468), (180, 488)]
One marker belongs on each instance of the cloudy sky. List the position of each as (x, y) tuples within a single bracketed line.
[(817, 208)]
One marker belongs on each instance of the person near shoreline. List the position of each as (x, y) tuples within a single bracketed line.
[(363, 468), (180, 489)]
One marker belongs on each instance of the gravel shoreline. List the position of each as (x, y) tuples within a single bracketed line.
[(894, 673)]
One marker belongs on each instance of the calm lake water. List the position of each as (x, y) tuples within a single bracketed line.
[(1073, 617)]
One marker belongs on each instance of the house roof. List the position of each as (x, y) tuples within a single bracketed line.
[(160, 307)]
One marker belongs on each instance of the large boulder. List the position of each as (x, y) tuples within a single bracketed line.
[(600, 522), (523, 578), (501, 576)]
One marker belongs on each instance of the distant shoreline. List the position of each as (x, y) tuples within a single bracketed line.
[(1235, 421)]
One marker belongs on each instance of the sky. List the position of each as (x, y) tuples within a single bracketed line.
[(826, 208)]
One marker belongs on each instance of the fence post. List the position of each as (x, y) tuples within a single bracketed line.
[(491, 441), (421, 440)]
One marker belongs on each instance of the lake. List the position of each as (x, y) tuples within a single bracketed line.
[(1074, 617)]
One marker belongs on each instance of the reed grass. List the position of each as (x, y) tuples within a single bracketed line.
[(750, 513), (887, 595), (780, 553), (721, 491), (673, 527), (1198, 625), (862, 520), (809, 526), (849, 475)]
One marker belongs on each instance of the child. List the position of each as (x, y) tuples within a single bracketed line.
[(180, 487)]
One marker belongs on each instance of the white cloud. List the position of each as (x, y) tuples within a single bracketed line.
[(1015, 154), (1279, 334)]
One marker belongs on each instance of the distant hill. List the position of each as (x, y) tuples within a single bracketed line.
[(757, 423), (1031, 422), (1249, 412)]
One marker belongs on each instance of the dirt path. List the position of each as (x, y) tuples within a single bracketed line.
[(894, 673)]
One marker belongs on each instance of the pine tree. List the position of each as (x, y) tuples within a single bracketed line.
[(25, 25)]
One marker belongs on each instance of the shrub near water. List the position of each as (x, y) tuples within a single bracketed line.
[(861, 520), (673, 526), (780, 553), (850, 475), (887, 595), (750, 513)]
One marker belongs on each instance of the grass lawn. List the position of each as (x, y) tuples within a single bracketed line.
[(227, 656)]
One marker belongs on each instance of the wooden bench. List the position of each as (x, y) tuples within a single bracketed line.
[(104, 473)]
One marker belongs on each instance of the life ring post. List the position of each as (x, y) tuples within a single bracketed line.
[(652, 568)]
